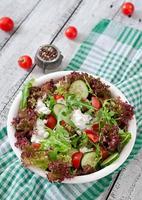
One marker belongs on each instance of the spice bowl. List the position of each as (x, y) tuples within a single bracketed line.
[(48, 57)]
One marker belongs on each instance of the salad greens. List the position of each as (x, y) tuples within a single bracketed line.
[(25, 94), (125, 137), (76, 102), (104, 115), (58, 140), (72, 126)]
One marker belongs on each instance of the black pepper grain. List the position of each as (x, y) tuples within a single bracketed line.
[(48, 53)]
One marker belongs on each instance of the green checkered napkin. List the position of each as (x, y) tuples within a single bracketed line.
[(111, 51)]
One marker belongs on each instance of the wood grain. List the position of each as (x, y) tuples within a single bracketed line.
[(45, 22), (128, 186), (135, 20), (47, 29), (67, 47), (18, 11), (14, 76)]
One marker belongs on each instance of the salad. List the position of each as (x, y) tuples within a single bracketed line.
[(71, 126)]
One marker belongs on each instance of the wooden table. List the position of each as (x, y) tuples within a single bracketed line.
[(44, 21)]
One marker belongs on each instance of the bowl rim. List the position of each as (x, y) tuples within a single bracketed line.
[(84, 178)]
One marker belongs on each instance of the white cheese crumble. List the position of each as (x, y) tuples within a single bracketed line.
[(61, 101), (85, 149), (40, 132), (41, 108), (79, 132), (79, 119)]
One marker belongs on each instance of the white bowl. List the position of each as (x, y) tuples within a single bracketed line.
[(84, 178)]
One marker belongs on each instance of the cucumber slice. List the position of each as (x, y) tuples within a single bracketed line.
[(89, 158), (58, 107), (126, 140), (79, 88), (110, 160)]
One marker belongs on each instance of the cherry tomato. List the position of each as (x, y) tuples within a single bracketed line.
[(51, 121), (63, 123), (94, 137), (127, 8), (95, 127), (36, 145), (71, 32), (25, 62), (76, 159), (96, 103), (6, 24), (57, 97), (104, 153)]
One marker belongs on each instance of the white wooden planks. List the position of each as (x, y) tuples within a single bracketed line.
[(39, 28), (128, 185), (26, 40), (135, 20), (49, 18), (18, 11)]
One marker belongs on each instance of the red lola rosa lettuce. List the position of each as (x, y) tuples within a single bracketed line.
[(22, 142), (58, 171), (32, 157), (126, 112), (110, 137), (25, 120), (55, 152), (123, 111)]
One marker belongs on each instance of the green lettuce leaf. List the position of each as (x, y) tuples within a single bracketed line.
[(25, 94), (58, 139), (31, 157), (125, 137)]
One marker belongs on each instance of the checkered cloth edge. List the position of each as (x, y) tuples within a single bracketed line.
[(113, 52)]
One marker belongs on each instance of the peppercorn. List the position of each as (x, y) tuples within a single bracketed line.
[(48, 53)]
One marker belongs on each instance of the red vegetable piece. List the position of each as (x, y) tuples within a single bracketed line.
[(76, 159), (127, 8), (89, 131), (63, 123), (25, 62), (71, 32), (104, 153), (96, 103), (57, 97), (6, 24), (94, 137), (95, 127), (36, 145), (51, 121)]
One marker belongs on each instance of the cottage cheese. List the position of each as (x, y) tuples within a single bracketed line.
[(40, 132), (79, 119), (85, 149), (41, 107)]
